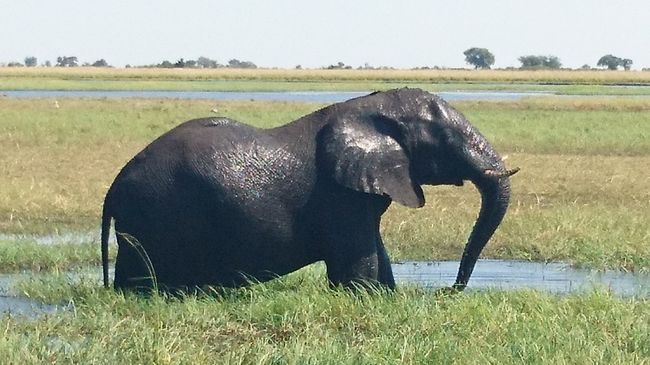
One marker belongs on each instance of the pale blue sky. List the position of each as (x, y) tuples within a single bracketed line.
[(283, 33)]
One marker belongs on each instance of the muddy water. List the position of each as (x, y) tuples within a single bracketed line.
[(555, 278)]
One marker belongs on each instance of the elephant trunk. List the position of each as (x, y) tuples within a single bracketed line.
[(493, 182)]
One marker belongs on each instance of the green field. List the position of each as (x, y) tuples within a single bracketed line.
[(297, 320), (582, 196)]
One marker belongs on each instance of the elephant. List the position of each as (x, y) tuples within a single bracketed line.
[(215, 202)]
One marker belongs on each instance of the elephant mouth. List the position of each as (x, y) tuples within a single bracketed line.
[(443, 181)]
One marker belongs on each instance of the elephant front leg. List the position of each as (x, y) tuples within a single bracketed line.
[(360, 264), (354, 270), (385, 271)]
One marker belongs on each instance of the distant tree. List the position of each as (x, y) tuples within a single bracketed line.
[(552, 62), (531, 61), (180, 63), (47, 63), (298, 67), (165, 64), (585, 67), (610, 61), (235, 63), (100, 63), (190, 64), (66, 61), (248, 64), (15, 64), (479, 57), (339, 66), (536, 62), (31, 61), (626, 63), (205, 62)]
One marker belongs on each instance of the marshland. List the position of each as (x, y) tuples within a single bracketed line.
[(582, 197)]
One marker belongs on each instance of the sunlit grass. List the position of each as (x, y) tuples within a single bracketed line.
[(297, 319), (581, 196), (17, 255)]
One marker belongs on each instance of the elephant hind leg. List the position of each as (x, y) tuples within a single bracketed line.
[(133, 268)]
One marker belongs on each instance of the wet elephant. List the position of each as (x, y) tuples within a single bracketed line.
[(217, 202)]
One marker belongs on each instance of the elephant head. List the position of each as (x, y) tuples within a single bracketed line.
[(392, 142)]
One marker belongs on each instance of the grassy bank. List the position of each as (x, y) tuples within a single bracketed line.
[(560, 81), (297, 320), (581, 196)]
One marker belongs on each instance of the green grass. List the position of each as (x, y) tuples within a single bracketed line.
[(20, 255), (581, 196), (297, 320)]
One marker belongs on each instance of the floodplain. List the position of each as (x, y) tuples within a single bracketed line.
[(584, 82), (582, 197)]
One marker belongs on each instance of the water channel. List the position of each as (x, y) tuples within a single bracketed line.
[(299, 96), (555, 278)]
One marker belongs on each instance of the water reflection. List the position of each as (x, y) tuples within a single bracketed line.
[(300, 96), (11, 304), (556, 278)]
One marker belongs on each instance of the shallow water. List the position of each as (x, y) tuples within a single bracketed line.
[(555, 278), (301, 96), (12, 304), (53, 239), (25, 307)]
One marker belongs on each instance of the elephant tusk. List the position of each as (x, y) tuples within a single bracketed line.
[(497, 175)]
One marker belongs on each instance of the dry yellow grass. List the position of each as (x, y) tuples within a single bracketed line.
[(462, 76)]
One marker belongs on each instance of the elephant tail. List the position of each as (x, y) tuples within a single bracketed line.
[(106, 230)]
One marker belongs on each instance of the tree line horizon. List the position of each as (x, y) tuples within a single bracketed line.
[(479, 58)]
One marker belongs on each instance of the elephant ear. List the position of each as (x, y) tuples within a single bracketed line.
[(364, 155)]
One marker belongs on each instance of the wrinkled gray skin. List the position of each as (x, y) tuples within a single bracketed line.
[(217, 202)]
